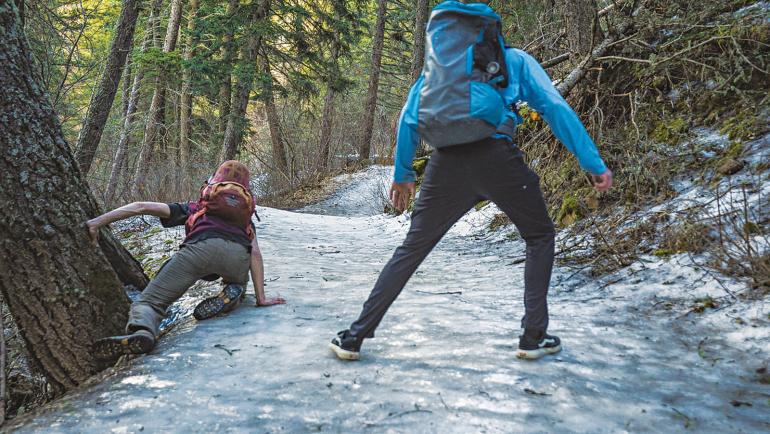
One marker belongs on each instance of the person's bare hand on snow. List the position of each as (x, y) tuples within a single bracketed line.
[(400, 194), (603, 182), (271, 301)]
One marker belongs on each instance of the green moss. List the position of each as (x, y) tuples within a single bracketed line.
[(671, 132), (154, 231), (419, 165), (572, 210), (735, 150), (498, 221), (663, 252), (744, 125), (481, 205), (751, 228), (704, 303), (151, 266), (512, 236)]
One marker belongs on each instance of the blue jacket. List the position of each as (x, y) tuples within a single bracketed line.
[(529, 83)]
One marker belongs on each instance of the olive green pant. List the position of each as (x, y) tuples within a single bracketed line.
[(228, 259)]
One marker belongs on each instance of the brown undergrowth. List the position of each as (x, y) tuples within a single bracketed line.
[(680, 70)]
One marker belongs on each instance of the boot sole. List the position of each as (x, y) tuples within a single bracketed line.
[(114, 347), (343, 353), (536, 354), (220, 303)]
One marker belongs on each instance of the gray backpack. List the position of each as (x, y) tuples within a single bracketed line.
[(463, 74)]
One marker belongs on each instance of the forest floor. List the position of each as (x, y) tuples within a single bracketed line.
[(637, 357)]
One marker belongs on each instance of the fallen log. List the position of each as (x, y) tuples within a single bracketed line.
[(550, 63), (568, 83)]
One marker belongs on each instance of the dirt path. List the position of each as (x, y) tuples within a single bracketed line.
[(443, 358)]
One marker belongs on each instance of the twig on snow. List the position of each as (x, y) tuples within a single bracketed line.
[(440, 293)]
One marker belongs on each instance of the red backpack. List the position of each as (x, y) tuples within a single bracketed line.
[(226, 197)]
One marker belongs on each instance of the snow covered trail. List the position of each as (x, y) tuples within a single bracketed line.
[(443, 359), (360, 194)]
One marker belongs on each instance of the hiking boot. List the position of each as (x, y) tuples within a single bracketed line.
[(110, 348), (536, 345), (228, 299), (346, 347)]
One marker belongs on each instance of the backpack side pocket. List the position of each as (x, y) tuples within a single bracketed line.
[(486, 103)]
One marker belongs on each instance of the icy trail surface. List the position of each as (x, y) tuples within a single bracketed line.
[(443, 359), (360, 194)]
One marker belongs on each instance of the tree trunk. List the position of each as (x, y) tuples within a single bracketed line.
[(21, 11), (276, 137), (422, 10), (374, 81), (327, 118), (326, 128), (60, 288), (125, 99), (121, 150), (104, 95), (186, 105), (236, 121), (156, 112), (581, 25), (2, 365), (573, 78), (126, 91), (225, 87)]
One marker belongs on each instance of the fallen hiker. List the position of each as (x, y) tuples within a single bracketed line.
[(220, 242), (462, 105)]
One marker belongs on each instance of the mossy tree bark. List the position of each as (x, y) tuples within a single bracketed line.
[(62, 291), (374, 82), (104, 95)]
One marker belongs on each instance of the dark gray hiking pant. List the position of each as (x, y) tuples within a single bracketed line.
[(456, 179), (192, 262)]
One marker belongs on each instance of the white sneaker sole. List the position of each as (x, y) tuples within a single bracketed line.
[(343, 353), (536, 354)]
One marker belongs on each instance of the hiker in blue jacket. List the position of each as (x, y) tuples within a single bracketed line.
[(461, 48)]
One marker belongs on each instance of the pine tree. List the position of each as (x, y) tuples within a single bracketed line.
[(63, 291), (104, 95), (374, 80)]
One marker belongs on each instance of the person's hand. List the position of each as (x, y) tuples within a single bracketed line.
[(93, 232), (603, 182), (400, 194), (270, 301)]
